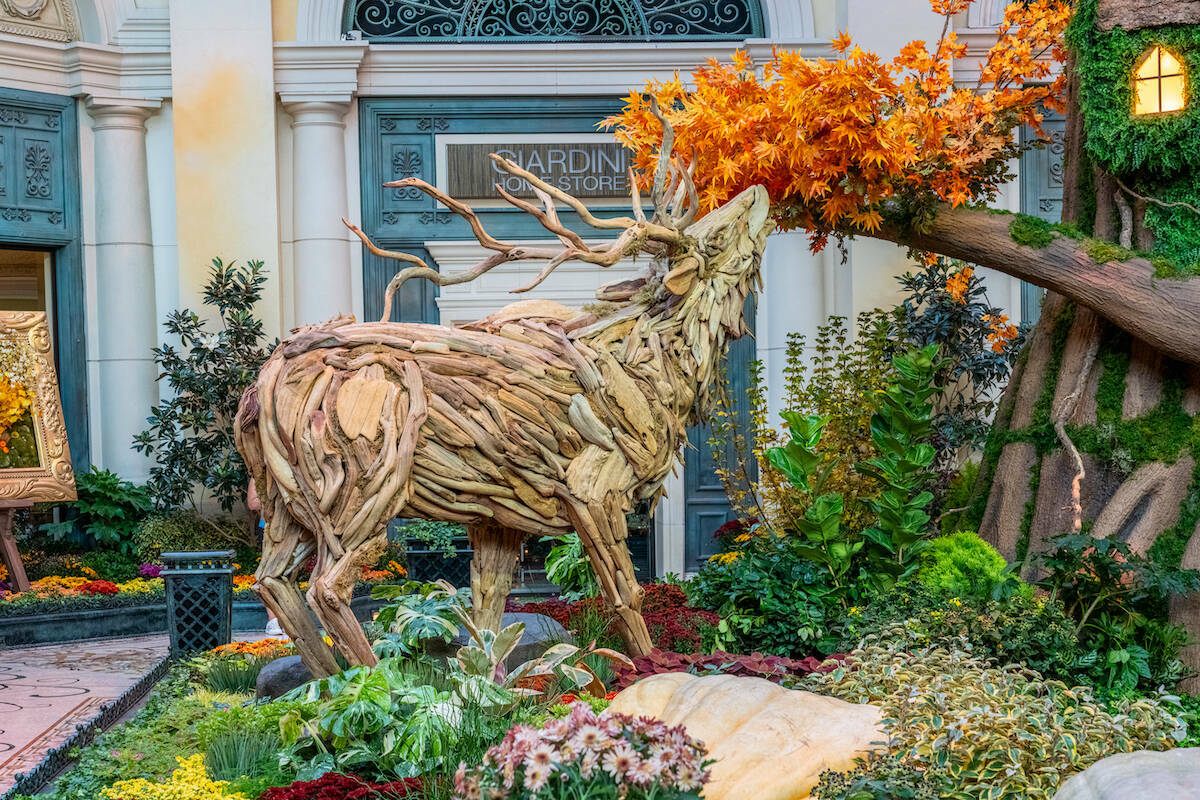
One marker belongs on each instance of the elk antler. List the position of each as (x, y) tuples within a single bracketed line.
[(637, 235)]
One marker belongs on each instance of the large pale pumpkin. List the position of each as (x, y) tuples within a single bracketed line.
[(769, 743), (1172, 775)]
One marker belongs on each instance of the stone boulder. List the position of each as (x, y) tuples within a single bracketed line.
[(540, 633), (281, 676), (767, 742), (1142, 774)]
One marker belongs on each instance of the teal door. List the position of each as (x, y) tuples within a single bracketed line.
[(39, 210), (706, 506)]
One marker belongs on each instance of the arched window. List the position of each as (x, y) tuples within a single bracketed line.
[(1159, 84), (554, 20)]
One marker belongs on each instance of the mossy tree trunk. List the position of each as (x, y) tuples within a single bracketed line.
[(1098, 429)]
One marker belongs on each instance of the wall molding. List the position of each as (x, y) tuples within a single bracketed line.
[(81, 68), (543, 68)]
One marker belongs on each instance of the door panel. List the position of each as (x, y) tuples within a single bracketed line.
[(706, 507)]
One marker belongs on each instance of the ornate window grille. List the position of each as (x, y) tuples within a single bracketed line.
[(553, 20)]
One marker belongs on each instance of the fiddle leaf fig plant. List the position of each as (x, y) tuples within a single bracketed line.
[(900, 429)]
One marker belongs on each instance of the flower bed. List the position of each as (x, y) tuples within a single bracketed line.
[(674, 625)]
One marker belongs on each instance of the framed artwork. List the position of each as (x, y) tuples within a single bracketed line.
[(35, 461)]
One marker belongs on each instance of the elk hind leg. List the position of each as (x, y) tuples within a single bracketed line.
[(602, 529), (329, 594), (497, 550), (275, 584)]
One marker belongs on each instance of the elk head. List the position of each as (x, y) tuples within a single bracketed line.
[(694, 288)]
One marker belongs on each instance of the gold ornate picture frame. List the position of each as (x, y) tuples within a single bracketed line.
[(27, 361)]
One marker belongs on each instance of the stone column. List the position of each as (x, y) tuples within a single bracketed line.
[(124, 284), (321, 277)]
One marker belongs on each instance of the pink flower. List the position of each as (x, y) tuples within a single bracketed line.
[(587, 764)]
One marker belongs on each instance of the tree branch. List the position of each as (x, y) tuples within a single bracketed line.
[(1163, 312)]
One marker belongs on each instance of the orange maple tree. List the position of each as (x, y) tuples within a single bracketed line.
[(833, 140)]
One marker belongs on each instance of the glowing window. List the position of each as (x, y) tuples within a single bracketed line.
[(1160, 84)]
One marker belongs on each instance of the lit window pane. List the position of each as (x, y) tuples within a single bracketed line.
[(1172, 93), (1147, 97), (1149, 67), (1170, 65)]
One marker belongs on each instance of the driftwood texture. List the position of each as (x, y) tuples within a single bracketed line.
[(538, 419)]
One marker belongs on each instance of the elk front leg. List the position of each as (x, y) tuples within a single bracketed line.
[(330, 593), (496, 552), (602, 529), (284, 552)]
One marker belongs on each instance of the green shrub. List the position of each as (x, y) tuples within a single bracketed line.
[(963, 565), (1117, 600), (957, 499), (108, 510), (882, 777), (182, 530), (998, 732), (110, 566), (567, 566), (242, 754), (769, 597), (1021, 629)]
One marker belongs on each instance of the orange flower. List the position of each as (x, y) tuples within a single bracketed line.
[(958, 284), (243, 581), (260, 649), (1001, 331)]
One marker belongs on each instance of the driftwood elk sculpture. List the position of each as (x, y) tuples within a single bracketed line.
[(538, 419)]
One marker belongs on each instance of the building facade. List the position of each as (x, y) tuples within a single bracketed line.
[(139, 139)]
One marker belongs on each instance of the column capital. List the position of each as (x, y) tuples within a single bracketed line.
[(119, 112), (317, 112)]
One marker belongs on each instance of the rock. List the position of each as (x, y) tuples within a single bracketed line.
[(1132, 776), (540, 632), (768, 742), (281, 676)]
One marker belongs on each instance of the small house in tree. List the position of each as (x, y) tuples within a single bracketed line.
[(1137, 62)]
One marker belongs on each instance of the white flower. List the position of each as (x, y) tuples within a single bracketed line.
[(543, 755), (536, 776), (620, 760), (588, 737), (587, 764), (643, 773)]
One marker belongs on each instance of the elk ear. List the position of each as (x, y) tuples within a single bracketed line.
[(682, 276)]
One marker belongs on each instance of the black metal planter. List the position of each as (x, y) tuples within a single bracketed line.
[(199, 588)]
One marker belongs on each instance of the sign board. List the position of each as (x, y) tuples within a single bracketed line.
[(582, 169)]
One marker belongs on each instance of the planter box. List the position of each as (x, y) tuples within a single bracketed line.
[(95, 623)]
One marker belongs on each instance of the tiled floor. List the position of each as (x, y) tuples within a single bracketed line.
[(45, 691)]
